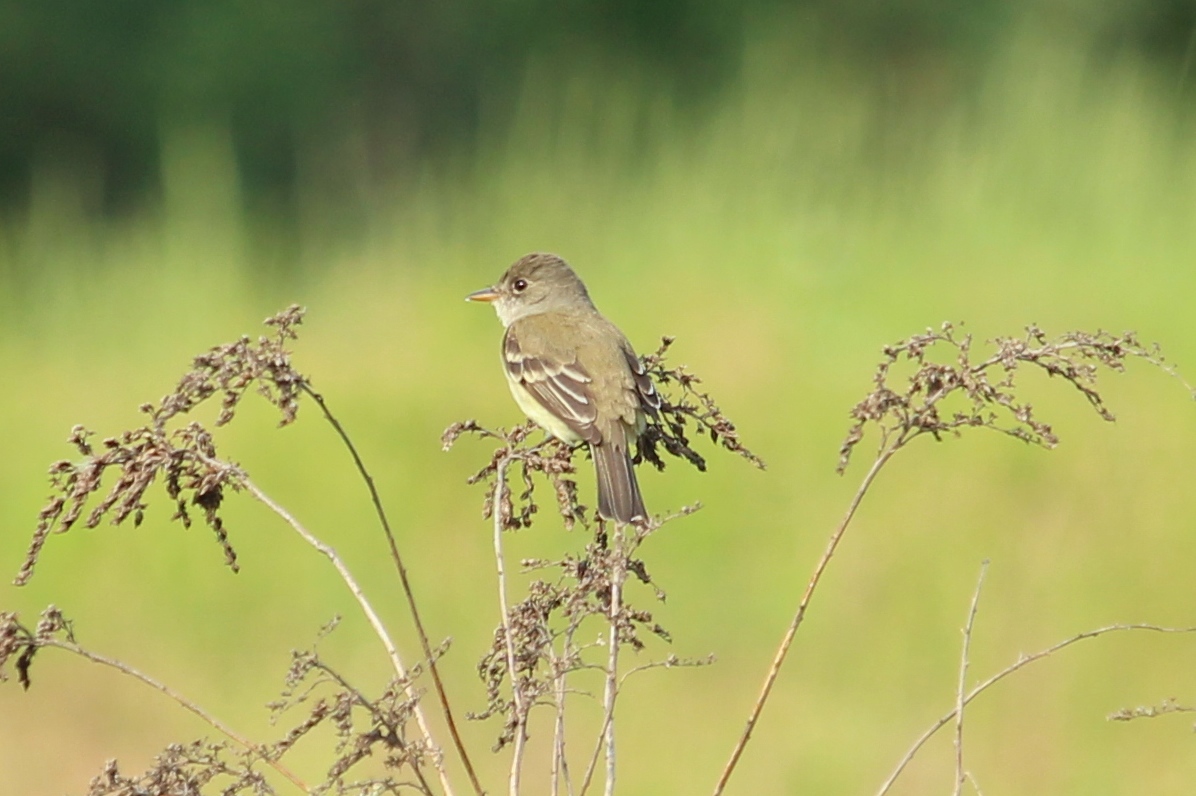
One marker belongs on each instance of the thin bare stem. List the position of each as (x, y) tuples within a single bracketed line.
[(779, 659), (668, 663), (371, 615), (597, 753), (558, 736), (611, 690), (429, 654), (1023, 660), (500, 484), (187, 704), (560, 763), (960, 774), (592, 766)]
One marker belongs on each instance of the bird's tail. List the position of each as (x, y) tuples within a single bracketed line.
[(619, 497)]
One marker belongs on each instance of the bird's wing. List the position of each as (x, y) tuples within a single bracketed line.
[(563, 388), (649, 398)]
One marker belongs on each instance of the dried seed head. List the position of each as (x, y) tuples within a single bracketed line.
[(945, 397), (184, 458)]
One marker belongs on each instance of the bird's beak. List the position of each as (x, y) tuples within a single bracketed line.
[(486, 294)]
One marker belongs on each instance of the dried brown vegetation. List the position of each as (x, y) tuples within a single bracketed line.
[(561, 636), (539, 637), (948, 390), (183, 458)]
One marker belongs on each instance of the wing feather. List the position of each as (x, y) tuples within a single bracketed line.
[(563, 388), (649, 398)]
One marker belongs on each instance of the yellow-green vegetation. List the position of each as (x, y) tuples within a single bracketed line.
[(783, 237)]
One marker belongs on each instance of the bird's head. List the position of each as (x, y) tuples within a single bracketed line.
[(535, 284)]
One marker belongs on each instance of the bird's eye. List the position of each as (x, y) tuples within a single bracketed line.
[(519, 285)]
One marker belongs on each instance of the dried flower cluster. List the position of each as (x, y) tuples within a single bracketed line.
[(986, 389), (187, 770), (19, 643), (945, 397), (364, 728), (680, 407), (231, 369), (184, 458), (551, 458), (540, 635), (546, 625)]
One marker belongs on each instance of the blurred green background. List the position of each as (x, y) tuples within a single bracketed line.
[(784, 187)]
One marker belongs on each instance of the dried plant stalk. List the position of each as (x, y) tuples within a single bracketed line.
[(405, 581), (376, 624), (175, 457), (185, 460), (943, 397), (961, 683), (535, 650), (54, 631), (1020, 663)]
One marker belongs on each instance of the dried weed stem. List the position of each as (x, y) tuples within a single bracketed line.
[(366, 608), (1022, 661), (799, 616), (560, 763), (535, 649), (984, 395), (54, 630), (184, 459), (257, 750), (961, 684), (408, 592), (610, 690), (517, 695)]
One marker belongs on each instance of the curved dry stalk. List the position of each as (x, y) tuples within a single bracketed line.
[(919, 409), (592, 766), (429, 653), (960, 774), (185, 703), (500, 484), (1022, 661), (370, 614), (799, 616)]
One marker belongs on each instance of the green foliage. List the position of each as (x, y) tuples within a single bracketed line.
[(313, 86), (801, 223)]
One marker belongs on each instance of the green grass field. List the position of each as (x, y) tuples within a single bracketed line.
[(783, 238)]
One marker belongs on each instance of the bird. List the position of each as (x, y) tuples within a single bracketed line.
[(574, 373)]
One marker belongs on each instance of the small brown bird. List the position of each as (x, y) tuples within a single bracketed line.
[(574, 373)]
